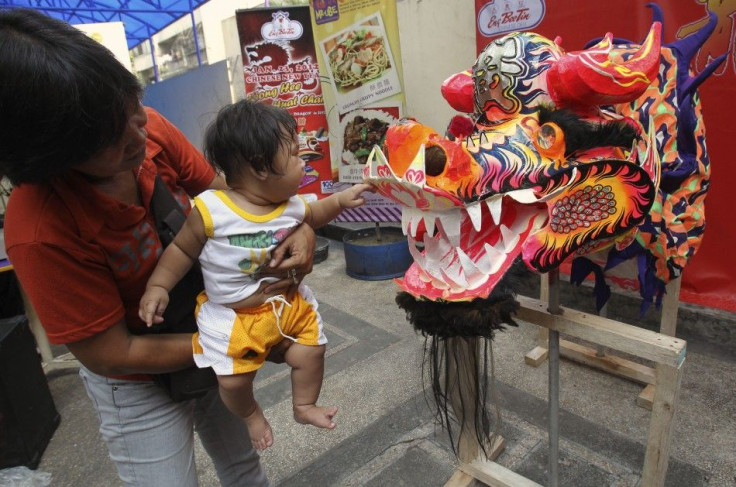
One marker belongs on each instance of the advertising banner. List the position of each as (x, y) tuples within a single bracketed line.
[(709, 279), (280, 68), (357, 44)]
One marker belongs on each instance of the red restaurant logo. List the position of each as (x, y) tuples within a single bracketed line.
[(501, 16), (282, 28)]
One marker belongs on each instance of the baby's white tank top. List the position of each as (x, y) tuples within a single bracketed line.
[(239, 243)]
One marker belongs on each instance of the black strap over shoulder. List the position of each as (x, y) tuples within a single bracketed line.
[(166, 211), (169, 217)]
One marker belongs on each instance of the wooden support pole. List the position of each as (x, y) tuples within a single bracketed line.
[(540, 353), (668, 326), (664, 407)]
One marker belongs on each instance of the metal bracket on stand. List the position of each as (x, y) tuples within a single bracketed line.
[(553, 433)]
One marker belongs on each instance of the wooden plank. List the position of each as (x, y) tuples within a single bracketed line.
[(460, 479), (645, 399), (603, 331), (537, 355), (670, 307), (493, 474), (608, 363), (497, 445), (660, 428)]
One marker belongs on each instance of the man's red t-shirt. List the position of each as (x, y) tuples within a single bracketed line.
[(84, 258)]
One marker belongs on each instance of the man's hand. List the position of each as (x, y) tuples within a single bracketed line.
[(291, 261)]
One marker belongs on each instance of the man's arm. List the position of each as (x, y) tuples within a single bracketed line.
[(115, 351)]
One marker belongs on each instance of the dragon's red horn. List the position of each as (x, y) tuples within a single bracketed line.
[(458, 91), (602, 75)]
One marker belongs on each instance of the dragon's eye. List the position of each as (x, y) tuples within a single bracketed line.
[(550, 140), (434, 160)]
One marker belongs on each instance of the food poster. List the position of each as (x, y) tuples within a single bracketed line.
[(358, 132), (280, 67), (357, 44)]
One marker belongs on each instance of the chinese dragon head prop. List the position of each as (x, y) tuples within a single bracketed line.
[(561, 155)]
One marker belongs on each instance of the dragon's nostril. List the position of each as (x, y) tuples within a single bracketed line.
[(435, 160)]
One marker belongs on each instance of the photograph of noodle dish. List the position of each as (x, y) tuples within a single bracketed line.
[(361, 130), (357, 56)]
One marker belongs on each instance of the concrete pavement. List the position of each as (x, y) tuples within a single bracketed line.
[(387, 436)]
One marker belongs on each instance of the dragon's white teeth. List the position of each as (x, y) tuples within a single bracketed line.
[(475, 212), (416, 221), (429, 222), (456, 282), (411, 220), (451, 227), (416, 254), (495, 258), (510, 239), (473, 269), (436, 249), (429, 273), (406, 223), (495, 204), (525, 196)]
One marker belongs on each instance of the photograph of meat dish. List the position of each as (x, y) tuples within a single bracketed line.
[(361, 134)]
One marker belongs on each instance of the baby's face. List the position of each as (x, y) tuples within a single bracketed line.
[(290, 169)]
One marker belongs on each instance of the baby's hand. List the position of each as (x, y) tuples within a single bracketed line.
[(350, 198), (152, 306)]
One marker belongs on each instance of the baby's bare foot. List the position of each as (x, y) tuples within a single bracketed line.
[(315, 415), (259, 430)]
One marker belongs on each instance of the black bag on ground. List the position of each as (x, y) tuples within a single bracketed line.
[(191, 382)]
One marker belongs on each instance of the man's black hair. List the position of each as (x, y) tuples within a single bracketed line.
[(63, 97), (247, 133)]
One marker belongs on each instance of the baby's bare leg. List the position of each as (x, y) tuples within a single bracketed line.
[(236, 392), (307, 368)]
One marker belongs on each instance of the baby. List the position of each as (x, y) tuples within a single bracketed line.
[(232, 233)]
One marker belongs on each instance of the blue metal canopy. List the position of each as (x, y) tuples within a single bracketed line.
[(142, 18)]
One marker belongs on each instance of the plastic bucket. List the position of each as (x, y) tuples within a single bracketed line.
[(321, 250), (369, 259)]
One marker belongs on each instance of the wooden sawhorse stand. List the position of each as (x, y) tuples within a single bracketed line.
[(667, 353), (612, 364)]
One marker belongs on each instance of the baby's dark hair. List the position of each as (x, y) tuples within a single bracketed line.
[(247, 133)]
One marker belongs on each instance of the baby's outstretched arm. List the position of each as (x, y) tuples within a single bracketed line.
[(174, 263), (325, 210)]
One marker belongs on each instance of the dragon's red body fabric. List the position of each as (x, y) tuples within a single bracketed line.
[(597, 156)]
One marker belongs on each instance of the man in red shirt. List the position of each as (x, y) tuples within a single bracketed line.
[(83, 153)]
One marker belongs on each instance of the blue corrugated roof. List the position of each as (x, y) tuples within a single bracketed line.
[(142, 18)]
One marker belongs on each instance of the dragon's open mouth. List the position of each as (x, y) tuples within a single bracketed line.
[(467, 250)]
